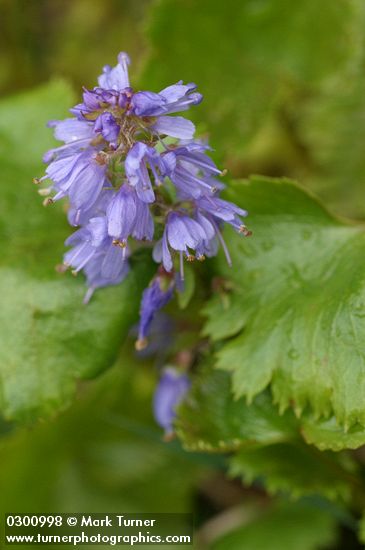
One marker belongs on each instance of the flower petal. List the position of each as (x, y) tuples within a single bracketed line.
[(116, 78), (174, 126), (72, 129)]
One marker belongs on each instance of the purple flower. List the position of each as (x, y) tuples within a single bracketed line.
[(72, 130), (121, 213), (170, 392), (77, 216), (209, 245), (129, 167), (138, 159), (173, 99), (223, 211), (80, 176), (107, 126), (115, 93), (174, 126), (128, 215), (117, 78), (98, 99), (110, 127), (179, 97), (93, 250), (107, 267), (192, 171), (181, 234), (211, 213), (76, 134), (161, 337), (144, 226), (147, 104), (154, 297)]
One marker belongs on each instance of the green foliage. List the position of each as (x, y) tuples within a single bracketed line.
[(283, 94), (48, 338), (296, 469), (104, 453), (268, 447), (331, 127), (211, 420), (24, 137), (285, 527), (327, 434), (31, 52), (302, 322), (269, 49)]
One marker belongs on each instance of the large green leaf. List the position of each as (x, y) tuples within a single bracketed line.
[(295, 468), (48, 339), (299, 296), (268, 447), (284, 527), (211, 420), (248, 56)]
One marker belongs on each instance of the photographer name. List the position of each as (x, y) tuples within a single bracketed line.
[(121, 521)]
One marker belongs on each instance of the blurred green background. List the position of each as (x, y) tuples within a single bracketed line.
[(283, 85)]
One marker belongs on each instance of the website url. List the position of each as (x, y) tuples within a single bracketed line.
[(111, 540)]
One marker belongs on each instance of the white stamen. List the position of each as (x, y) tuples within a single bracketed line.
[(224, 246), (182, 276)]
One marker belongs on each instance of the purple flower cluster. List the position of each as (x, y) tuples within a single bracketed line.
[(133, 173)]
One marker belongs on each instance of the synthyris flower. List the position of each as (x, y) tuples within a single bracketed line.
[(133, 173), (107, 126), (171, 390), (128, 215), (155, 296), (181, 234), (139, 158), (192, 171), (93, 251)]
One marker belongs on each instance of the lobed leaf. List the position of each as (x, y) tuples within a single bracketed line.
[(268, 447), (211, 420), (296, 469), (299, 299), (327, 434)]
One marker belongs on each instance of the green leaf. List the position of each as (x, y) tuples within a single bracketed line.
[(48, 338), (295, 468), (327, 434), (93, 457), (211, 420), (268, 49), (284, 527), (269, 447), (300, 286)]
